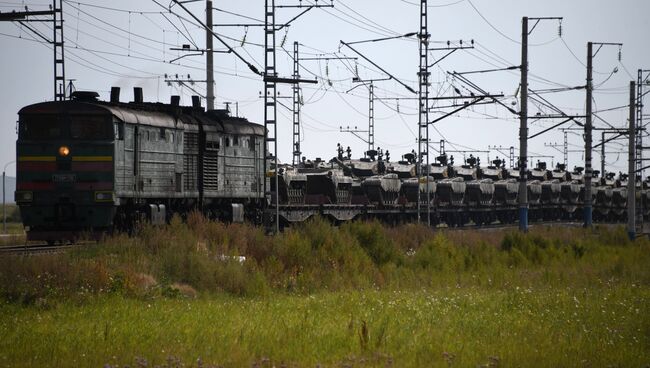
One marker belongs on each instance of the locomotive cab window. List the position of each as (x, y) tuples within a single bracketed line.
[(40, 127), (89, 127)]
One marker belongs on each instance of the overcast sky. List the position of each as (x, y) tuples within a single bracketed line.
[(127, 44)]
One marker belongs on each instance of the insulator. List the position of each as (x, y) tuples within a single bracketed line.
[(284, 39), (398, 106), (619, 53), (243, 41), (559, 30)]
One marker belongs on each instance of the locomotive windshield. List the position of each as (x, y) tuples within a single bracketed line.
[(79, 127), (90, 128), (40, 128)]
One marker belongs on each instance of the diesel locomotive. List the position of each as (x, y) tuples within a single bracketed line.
[(84, 165)]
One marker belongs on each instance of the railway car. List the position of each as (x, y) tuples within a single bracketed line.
[(85, 165)]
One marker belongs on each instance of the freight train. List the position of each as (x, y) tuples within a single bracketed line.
[(90, 166)]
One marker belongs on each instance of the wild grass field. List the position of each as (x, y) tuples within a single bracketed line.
[(207, 294)]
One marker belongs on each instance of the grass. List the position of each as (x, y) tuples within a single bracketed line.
[(15, 233), (356, 295), (606, 326)]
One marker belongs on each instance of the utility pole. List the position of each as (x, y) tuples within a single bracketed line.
[(602, 154), (270, 94), (296, 107), (209, 56), (631, 178), (423, 109), (371, 116), (523, 130), (564, 150), (588, 128), (56, 11), (523, 121), (642, 83), (270, 106), (59, 51), (370, 83)]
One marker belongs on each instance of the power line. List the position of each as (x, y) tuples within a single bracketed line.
[(110, 8), (434, 6)]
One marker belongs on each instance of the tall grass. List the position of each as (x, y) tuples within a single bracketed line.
[(201, 256)]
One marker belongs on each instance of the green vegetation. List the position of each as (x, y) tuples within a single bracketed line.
[(15, 233), (356, 295)]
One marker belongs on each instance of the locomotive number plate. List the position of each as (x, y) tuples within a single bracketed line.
[(64, 178)]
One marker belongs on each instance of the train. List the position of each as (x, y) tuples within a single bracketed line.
[(90, 166), (86, 166)]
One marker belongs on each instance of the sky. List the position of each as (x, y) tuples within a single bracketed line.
[(129, 44)]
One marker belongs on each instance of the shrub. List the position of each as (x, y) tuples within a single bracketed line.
[(373, 239), (200, 256)]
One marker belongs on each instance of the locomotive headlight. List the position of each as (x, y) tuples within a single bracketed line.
[(24, 196), (64, 151), (103, 196)]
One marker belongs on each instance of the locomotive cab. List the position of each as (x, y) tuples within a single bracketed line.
[(65, 169)]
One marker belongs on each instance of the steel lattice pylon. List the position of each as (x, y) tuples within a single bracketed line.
[(59, 51), (270, 102), (423, 102), (643, 78), (296, 106)]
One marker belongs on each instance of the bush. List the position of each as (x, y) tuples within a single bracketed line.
[(373, 239), (201, 256)]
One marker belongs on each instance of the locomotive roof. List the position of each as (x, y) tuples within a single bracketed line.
[(154, 114)]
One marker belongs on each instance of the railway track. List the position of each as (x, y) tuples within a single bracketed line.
[(38, 248), (515, 226)]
